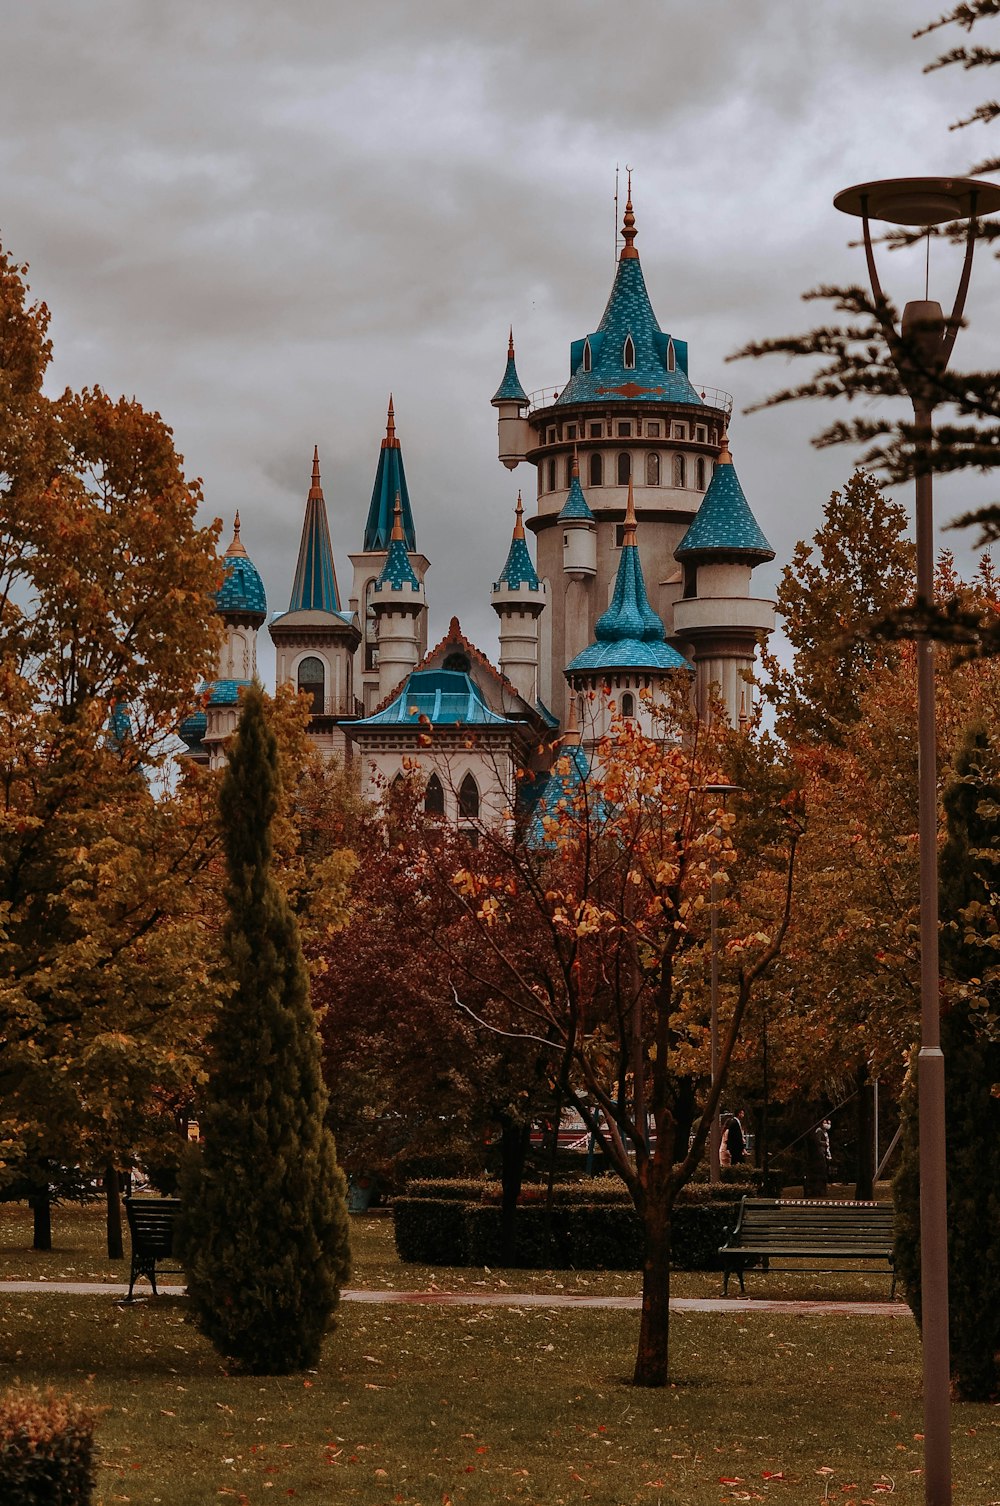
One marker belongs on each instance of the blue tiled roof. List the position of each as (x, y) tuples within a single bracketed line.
[(397, 571), (224, 692), (576, 505), (628, 312), (193, 728), (510, 389), (724, 523), (314, 588), (630, 614), (628, 653), (442, 697), (242, 589), (390, 482), (518, 571)]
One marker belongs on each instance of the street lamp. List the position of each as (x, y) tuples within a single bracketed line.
[(921, 353), (715, 1131)]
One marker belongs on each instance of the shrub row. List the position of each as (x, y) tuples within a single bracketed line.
[(46, 1450), (482, 1190)]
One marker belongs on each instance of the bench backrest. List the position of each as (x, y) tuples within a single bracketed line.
[(151, 1223), (804, 1224)]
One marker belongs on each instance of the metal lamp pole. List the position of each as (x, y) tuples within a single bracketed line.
[(715, 1131), (920, 354)]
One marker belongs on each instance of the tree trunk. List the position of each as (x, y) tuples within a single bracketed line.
[(864, 1189), (654, 1325), (112, 1195), (514, 1141), (40, 1203)]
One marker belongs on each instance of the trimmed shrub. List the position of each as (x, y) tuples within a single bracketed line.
[(46, 1450), (540, 1241), (697, 1232), (430, 1231), (450, 1189)]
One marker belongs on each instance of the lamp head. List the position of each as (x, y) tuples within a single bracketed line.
[(920, 201)]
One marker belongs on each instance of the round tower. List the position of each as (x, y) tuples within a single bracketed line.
[(400, 610), (579, 563), (519, 599), (717, 620), (511, 401)]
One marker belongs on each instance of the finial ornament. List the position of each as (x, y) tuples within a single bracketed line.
[(510, 344), (236, 547), (315, 490), (628, 226), (519, 522), (397, 519), (575, 468), (390, 442), (628, 537), (725, 457)]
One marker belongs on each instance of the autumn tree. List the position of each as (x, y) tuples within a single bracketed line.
[(615, 880), (265, 1237), (106, 621)]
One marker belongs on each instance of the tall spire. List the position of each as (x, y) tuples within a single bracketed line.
[(518, 570), (397, 571), (576, 505), (510, 389), (236, 547), (629, 253), (724, 525), (314, 588), (397, 520), (519, 516), (390, 482)]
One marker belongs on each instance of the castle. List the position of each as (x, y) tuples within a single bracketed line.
[(645, 545)]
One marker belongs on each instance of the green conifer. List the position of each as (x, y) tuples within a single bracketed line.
[(265, 1232), (969, 885)]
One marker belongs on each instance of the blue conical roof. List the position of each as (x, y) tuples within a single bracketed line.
[(510, 389), (629, 635), (724, 524), (518, 571), (576, 505), (314, 588), (397, 571), (653, 366), (390, 482), (242, 590)]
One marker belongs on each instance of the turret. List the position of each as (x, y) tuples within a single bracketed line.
[(400, 608), (579, 530), (511, 402), (519, 599), (716, 614)]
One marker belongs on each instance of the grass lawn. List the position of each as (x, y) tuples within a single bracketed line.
[(470, 1407)]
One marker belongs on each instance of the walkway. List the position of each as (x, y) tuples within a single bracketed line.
[(516, 1299)]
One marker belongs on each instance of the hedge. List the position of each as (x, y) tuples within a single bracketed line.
[(46, 1450)]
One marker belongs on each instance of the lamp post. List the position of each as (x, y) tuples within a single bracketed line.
[(715, 1132), (920, 353)]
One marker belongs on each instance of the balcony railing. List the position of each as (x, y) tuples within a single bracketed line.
[(712, 397)]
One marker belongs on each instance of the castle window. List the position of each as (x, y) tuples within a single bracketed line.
[(312, 682), (619, 535), (680, 471), (457, 661), (653, 468), (628, 704), (699, 468), (624, 431), (680, 431), (550, 436), (434, 797), (700, 433), (571, 431), (628, 354), (671, 356), (468, 799), (690, 581), (569, 470), (596, 431), (587, 357), (624, 468), (597, 470), (371, 628), (552, 475), (653, 428)]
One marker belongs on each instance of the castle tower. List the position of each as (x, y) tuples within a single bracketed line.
[(629, 654), (579, 565), (242, 607), (390, 482), (315, 640), (716, 615), (519, 599), (400, 612), (632, 414)]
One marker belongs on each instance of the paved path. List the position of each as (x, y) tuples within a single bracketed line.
[(514, 1299)]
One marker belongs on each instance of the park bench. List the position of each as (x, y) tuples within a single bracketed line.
[(151, 1226), (770, 1229)]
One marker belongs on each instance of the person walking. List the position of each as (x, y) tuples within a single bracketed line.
[(736, 1140)]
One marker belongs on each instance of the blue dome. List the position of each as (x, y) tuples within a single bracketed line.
[(242, 589), (193, 728)]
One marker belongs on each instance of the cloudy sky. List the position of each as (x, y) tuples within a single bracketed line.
[(259, 219)]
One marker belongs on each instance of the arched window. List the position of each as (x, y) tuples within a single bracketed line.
[(458, 661), (434, 797), (597, 470), (679, 471), (312, 680), (628, 704), (671, 356), (468, 798), (371, 628), (624, 468), (628, 354), (699, 467), (587, 357), (552, 476), (652, 469)]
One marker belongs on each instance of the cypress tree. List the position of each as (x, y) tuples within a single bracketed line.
[(265, 1230), (969, 885)]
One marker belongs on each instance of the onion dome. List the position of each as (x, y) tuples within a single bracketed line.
[(440, 697), (242, 591), (576, 507), (724, 526), (510, 389), (518, 571), (314, 588), (193, 728), (397, 571), (629, 635), (390, 483), (628, 355)]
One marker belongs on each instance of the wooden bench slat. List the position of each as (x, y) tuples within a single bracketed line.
[(806, 1230), (151, 1227)]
